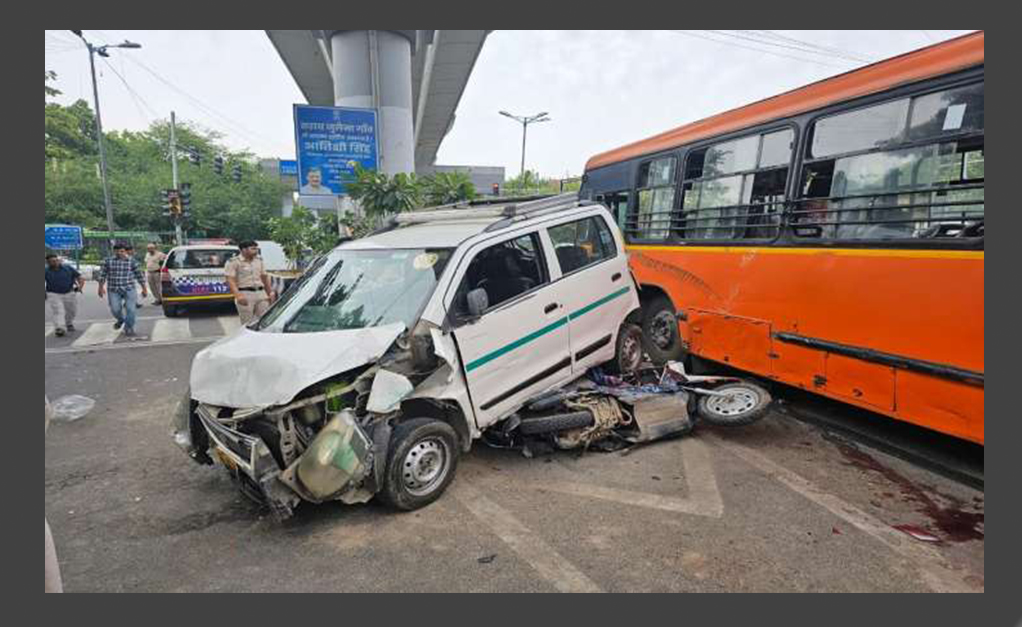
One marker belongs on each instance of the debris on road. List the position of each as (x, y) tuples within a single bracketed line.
[(917, 532), (72, 407)]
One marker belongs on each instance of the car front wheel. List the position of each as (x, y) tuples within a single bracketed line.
[(421, 464)]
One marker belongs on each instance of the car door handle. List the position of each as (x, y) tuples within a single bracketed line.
[(549, 308), (617, 275)]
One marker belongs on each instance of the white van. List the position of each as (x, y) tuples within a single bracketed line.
[(394, 352)]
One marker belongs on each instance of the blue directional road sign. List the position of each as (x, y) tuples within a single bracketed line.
[(63, 237)]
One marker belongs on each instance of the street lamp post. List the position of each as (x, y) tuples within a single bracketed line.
[(525, 121), (102, 51)]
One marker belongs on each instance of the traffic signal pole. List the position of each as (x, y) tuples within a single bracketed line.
[(173, 162)]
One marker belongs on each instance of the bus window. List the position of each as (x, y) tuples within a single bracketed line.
[(918, 191), (735, 189), (652, 220), (617, 202)]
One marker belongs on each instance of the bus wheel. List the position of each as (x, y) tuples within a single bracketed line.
[(660, 335)]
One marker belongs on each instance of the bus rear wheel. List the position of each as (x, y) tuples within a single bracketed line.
[(660, 336)]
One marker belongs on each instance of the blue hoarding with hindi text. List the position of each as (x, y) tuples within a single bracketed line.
[(329, 142)]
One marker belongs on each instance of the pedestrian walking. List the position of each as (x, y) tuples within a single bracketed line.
[(120, 273), (249, 282), (153, 264), (62, 285)]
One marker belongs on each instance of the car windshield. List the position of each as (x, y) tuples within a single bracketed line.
[(197, 259), (355, 289)]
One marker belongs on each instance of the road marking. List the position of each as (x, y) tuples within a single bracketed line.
[(703, 496), (523, 541), (96, 335), (230, 324), (935, 571), (111, 320), (130, 345), (171, 329)]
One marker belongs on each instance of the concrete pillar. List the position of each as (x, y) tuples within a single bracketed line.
[(353, 87)]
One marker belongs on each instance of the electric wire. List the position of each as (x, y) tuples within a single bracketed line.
[(208, 110), (135, 96), (828, 49), (763, 50), (799, 48)]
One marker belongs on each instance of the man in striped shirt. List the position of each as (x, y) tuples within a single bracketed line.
[(121, 272)]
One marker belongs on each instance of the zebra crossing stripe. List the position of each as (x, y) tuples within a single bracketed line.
[(169, 329), (229, 324), (96, 334)]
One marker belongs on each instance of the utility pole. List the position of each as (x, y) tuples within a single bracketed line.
[(173, 161), (525, 121), (102, 51)]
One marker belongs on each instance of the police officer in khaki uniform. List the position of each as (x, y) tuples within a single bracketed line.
[(249, 282)]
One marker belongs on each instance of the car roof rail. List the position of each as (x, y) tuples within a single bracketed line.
[(516, 209)]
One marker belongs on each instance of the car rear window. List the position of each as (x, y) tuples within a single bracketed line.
[(199, 259)]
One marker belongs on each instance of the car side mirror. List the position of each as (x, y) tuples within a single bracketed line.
[(478, 301)]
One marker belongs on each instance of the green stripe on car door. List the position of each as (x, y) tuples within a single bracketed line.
[(603, 301), (472, 365)]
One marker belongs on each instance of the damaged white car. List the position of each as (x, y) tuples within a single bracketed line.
[(394, 352)]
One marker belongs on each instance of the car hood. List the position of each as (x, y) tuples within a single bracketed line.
[(258, 369)]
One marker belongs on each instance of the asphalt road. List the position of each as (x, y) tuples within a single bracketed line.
[(778, 506)]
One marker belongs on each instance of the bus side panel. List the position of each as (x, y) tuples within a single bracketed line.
[(918, 304), (740, 342), (952, 407), (861, 381)]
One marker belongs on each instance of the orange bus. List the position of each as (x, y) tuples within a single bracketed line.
[(829, 238)]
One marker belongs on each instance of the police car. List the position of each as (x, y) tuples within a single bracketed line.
[(194, 276)]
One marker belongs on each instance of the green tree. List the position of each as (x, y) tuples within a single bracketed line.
[(444, 188), (139, 168), (379, 194), (69, 131), (302, 231), (526, 182)]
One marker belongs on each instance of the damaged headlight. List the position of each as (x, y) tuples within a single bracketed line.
[(339, 455)]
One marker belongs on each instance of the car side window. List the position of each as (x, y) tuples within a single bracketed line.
[(582, 243), (504, 270)]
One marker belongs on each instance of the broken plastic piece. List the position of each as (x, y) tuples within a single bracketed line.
[(71, 408), (918, 533), (388, 390)]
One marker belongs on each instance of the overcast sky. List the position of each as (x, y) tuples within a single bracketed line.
[(601, 88)]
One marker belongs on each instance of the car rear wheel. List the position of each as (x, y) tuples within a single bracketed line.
[(628, 355), (170, 311)]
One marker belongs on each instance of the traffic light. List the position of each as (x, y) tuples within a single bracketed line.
[(237, 173), (165, 194), (218, 164), (174, 198), (195, 157), (186, 198)]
